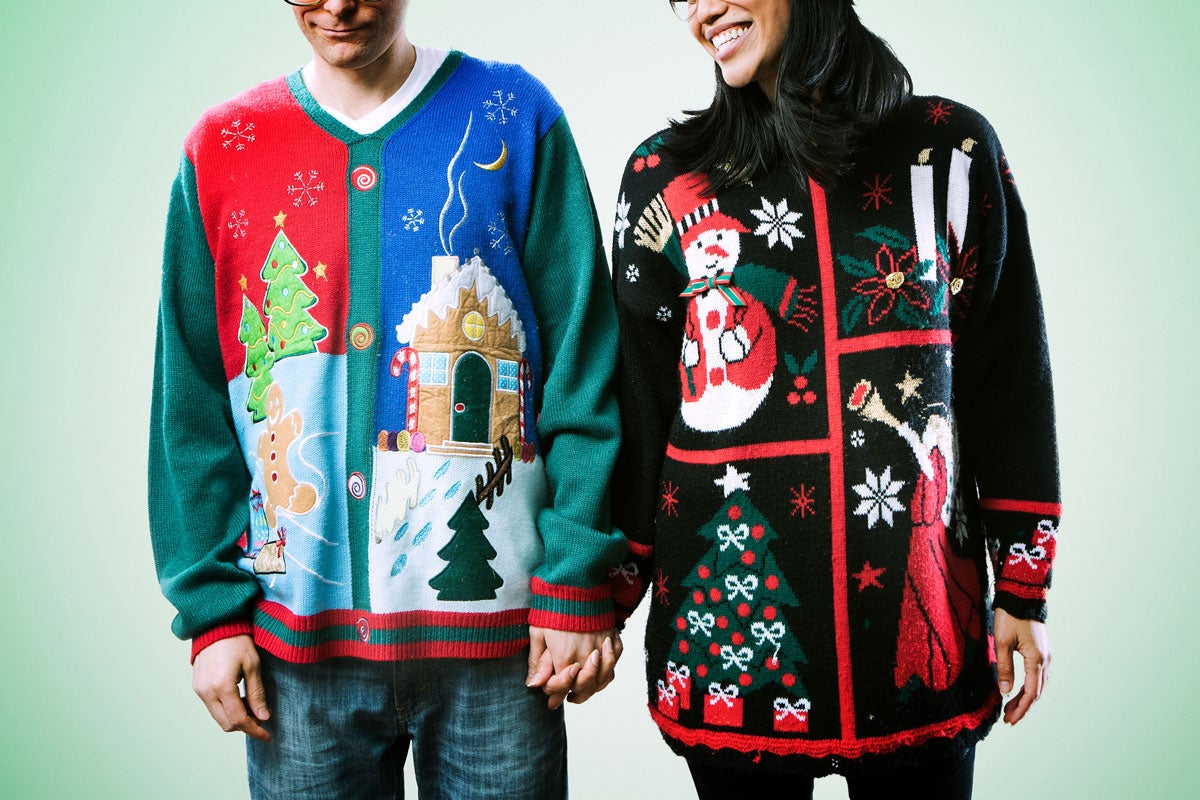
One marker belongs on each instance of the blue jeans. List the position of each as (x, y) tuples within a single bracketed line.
[(341, 730)]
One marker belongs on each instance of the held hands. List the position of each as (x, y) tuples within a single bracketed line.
[(216, 673), (1027, 637), (571, 666)]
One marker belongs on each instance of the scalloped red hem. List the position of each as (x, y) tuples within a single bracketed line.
[(823, 748)]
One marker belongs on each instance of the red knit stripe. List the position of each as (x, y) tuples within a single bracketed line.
[(837, 475), (572, 594), (405, 619), (642, 550), (1022, 507), (887, 341), (354, 648), (823, 748), (571, 622), (226, 631), (803, 447), (1025, 591)]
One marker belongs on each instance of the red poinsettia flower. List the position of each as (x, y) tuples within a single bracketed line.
[(895, 277), (959, 274)]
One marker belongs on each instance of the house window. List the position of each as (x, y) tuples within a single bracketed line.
[(506, 376), (473, 326), (435, 368)]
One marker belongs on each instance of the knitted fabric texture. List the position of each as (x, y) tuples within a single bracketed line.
[(383, 414), (837, 424)]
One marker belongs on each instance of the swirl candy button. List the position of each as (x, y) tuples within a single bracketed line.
[(357, 486), (361, 336), (364, 178)]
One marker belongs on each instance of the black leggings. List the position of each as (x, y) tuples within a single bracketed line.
[(943, 779)]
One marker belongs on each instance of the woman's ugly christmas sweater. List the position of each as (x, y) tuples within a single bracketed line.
[(837, 415), (383, 418)]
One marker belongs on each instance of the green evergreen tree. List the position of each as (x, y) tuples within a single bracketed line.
[(292, 331), (468, 575), (259, 360), (732, 623)]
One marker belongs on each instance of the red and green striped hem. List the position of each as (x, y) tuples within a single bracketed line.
[(402, 636), (570, 608)]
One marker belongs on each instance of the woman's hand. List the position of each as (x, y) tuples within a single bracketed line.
[(1027, 637)]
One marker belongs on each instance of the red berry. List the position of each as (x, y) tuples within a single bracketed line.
[(747, 558), (652, 160), (794, 398), (639, 165), (810, 398), (800, 382)]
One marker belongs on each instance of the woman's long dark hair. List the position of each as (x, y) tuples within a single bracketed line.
[(836, 82)]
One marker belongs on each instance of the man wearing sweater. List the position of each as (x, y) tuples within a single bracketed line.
[(382, 422)]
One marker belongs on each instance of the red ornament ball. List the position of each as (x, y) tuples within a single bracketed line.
[(714, 595), (772, 582), (769, 613), (702, 670), (714, 649), (789, 680), (735, 513), (684, 647), (772, 663), (698, 597), (722, 622), (737, 639), (758, 531), (747, 558), (681, 623), (744, 679), (704, 572), (744, 610)]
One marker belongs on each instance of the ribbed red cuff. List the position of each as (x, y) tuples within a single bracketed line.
[(225, 631)]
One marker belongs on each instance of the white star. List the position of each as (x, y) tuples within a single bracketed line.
[(733, 480), (908, 387)]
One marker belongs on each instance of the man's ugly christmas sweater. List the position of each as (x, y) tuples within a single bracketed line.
[(837, 414), (383, 418)]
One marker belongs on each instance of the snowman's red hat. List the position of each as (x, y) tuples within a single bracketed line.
[(694, 209)]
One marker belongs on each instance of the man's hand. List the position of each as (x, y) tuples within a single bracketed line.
[(1027, 637), (216, 673), (571, 666)]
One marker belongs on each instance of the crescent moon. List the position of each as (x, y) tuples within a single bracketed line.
[(499, 162)]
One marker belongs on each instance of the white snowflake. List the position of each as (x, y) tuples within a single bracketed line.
[(622, 223), (498, 235), (413, 220), (238, 223), (664, 313), (858, 438), (306, 189), (236, 135), (632, 273), (879, 497), (499, 109), (777, 223)]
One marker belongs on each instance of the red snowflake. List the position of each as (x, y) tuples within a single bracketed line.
[(894, 277), (877, 193), (670, 499), (938, 112), (661, 593), (802, 501)]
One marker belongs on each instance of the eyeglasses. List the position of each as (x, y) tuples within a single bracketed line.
[(684, 9), (312, 3)]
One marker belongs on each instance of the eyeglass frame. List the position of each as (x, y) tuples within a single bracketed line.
[(315, 3), (683, 9)]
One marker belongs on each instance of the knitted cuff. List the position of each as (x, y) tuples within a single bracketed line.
[(225, 631), (1020, 607), (569, 608)]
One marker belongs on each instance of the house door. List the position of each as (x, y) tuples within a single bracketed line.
[(471, 405)]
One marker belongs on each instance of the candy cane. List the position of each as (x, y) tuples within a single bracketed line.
[(407, 357)]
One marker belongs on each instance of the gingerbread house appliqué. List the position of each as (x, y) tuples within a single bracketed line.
[(462, 357)]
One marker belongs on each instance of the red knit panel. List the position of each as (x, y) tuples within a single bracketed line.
[(226, 631), (571, 593)]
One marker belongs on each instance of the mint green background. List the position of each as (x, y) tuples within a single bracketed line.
[(1095, 103)]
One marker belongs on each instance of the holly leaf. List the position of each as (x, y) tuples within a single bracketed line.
[(881, 234), (853, 312), (857, 266), (810, 364), (910, 316), (792, 365)]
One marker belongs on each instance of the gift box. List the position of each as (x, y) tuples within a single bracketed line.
[(722, 706), (668, 701), (680, 677), (791, 716)]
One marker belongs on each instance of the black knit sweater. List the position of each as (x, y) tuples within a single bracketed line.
[(839, 448)]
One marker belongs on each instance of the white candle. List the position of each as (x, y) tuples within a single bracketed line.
[(923, 216)]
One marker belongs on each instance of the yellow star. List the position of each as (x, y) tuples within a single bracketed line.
[(242, 282), (319, 270), (908, 387), (279, 218)]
